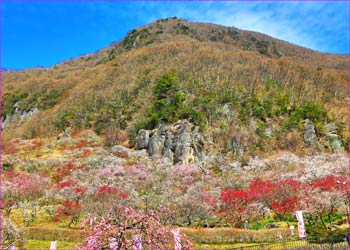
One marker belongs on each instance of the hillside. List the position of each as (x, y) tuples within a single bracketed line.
[(219, 132), (232, 83)]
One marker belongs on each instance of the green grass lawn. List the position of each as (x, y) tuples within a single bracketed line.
[(40, 244), (230, 246), (222, 246)]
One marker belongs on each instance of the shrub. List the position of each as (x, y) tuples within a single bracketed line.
[(312, 111), (167, 102), (144, 35), (168, 105), (321, 235), (9, 101), (64, 120), (255, 107), (30, 101), (7, 166), (49, 99), (80, 144), (262, 46), (87, 152)]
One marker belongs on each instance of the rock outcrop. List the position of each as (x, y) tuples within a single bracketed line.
[(333, 139), (18, 116), (180, 143), (142, 139), (65, 134), (156, 142), (310, 137), (169, 146)]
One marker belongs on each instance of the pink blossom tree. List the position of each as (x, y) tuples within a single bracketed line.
[(133, 229)]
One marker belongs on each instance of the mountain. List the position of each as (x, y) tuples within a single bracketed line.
[(170, 29), (239, 87)]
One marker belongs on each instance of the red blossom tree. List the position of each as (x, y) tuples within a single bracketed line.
[(286, 197), (262, 190), (70, 209), (328, 183), (63, 171), (280, 196), (235, 202)]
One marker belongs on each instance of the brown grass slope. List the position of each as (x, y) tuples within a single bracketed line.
[(172, 28), (222, 65)]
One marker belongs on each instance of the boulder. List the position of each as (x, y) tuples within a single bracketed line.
[(183, 144), (198, 144), (120, 151), (65, 134), (330, 129), (156, 142), (310, 137), (18, 115), (333, 139), (142, 139), (26, 114), (268, 130), (168, 146), (226, 109)]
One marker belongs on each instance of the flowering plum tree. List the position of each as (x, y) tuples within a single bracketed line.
[(196, 204), (63, 171), (18, 187), (286, 196), (70, 209), (133, 229), (280, 196), (104, 200), (235, 203), (322, 199)]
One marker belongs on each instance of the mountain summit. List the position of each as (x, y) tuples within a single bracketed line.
[(170, 29)]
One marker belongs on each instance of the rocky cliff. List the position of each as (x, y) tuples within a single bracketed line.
[(179, 143)]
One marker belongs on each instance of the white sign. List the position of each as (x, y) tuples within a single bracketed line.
[(53, 245), (291, 231), (301, 227)]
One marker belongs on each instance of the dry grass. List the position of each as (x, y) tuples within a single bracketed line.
[(234, 235)]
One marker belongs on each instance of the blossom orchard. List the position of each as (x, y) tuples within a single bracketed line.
[(319, 199)]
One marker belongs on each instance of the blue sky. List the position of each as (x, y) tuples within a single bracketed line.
[(45, 33)]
